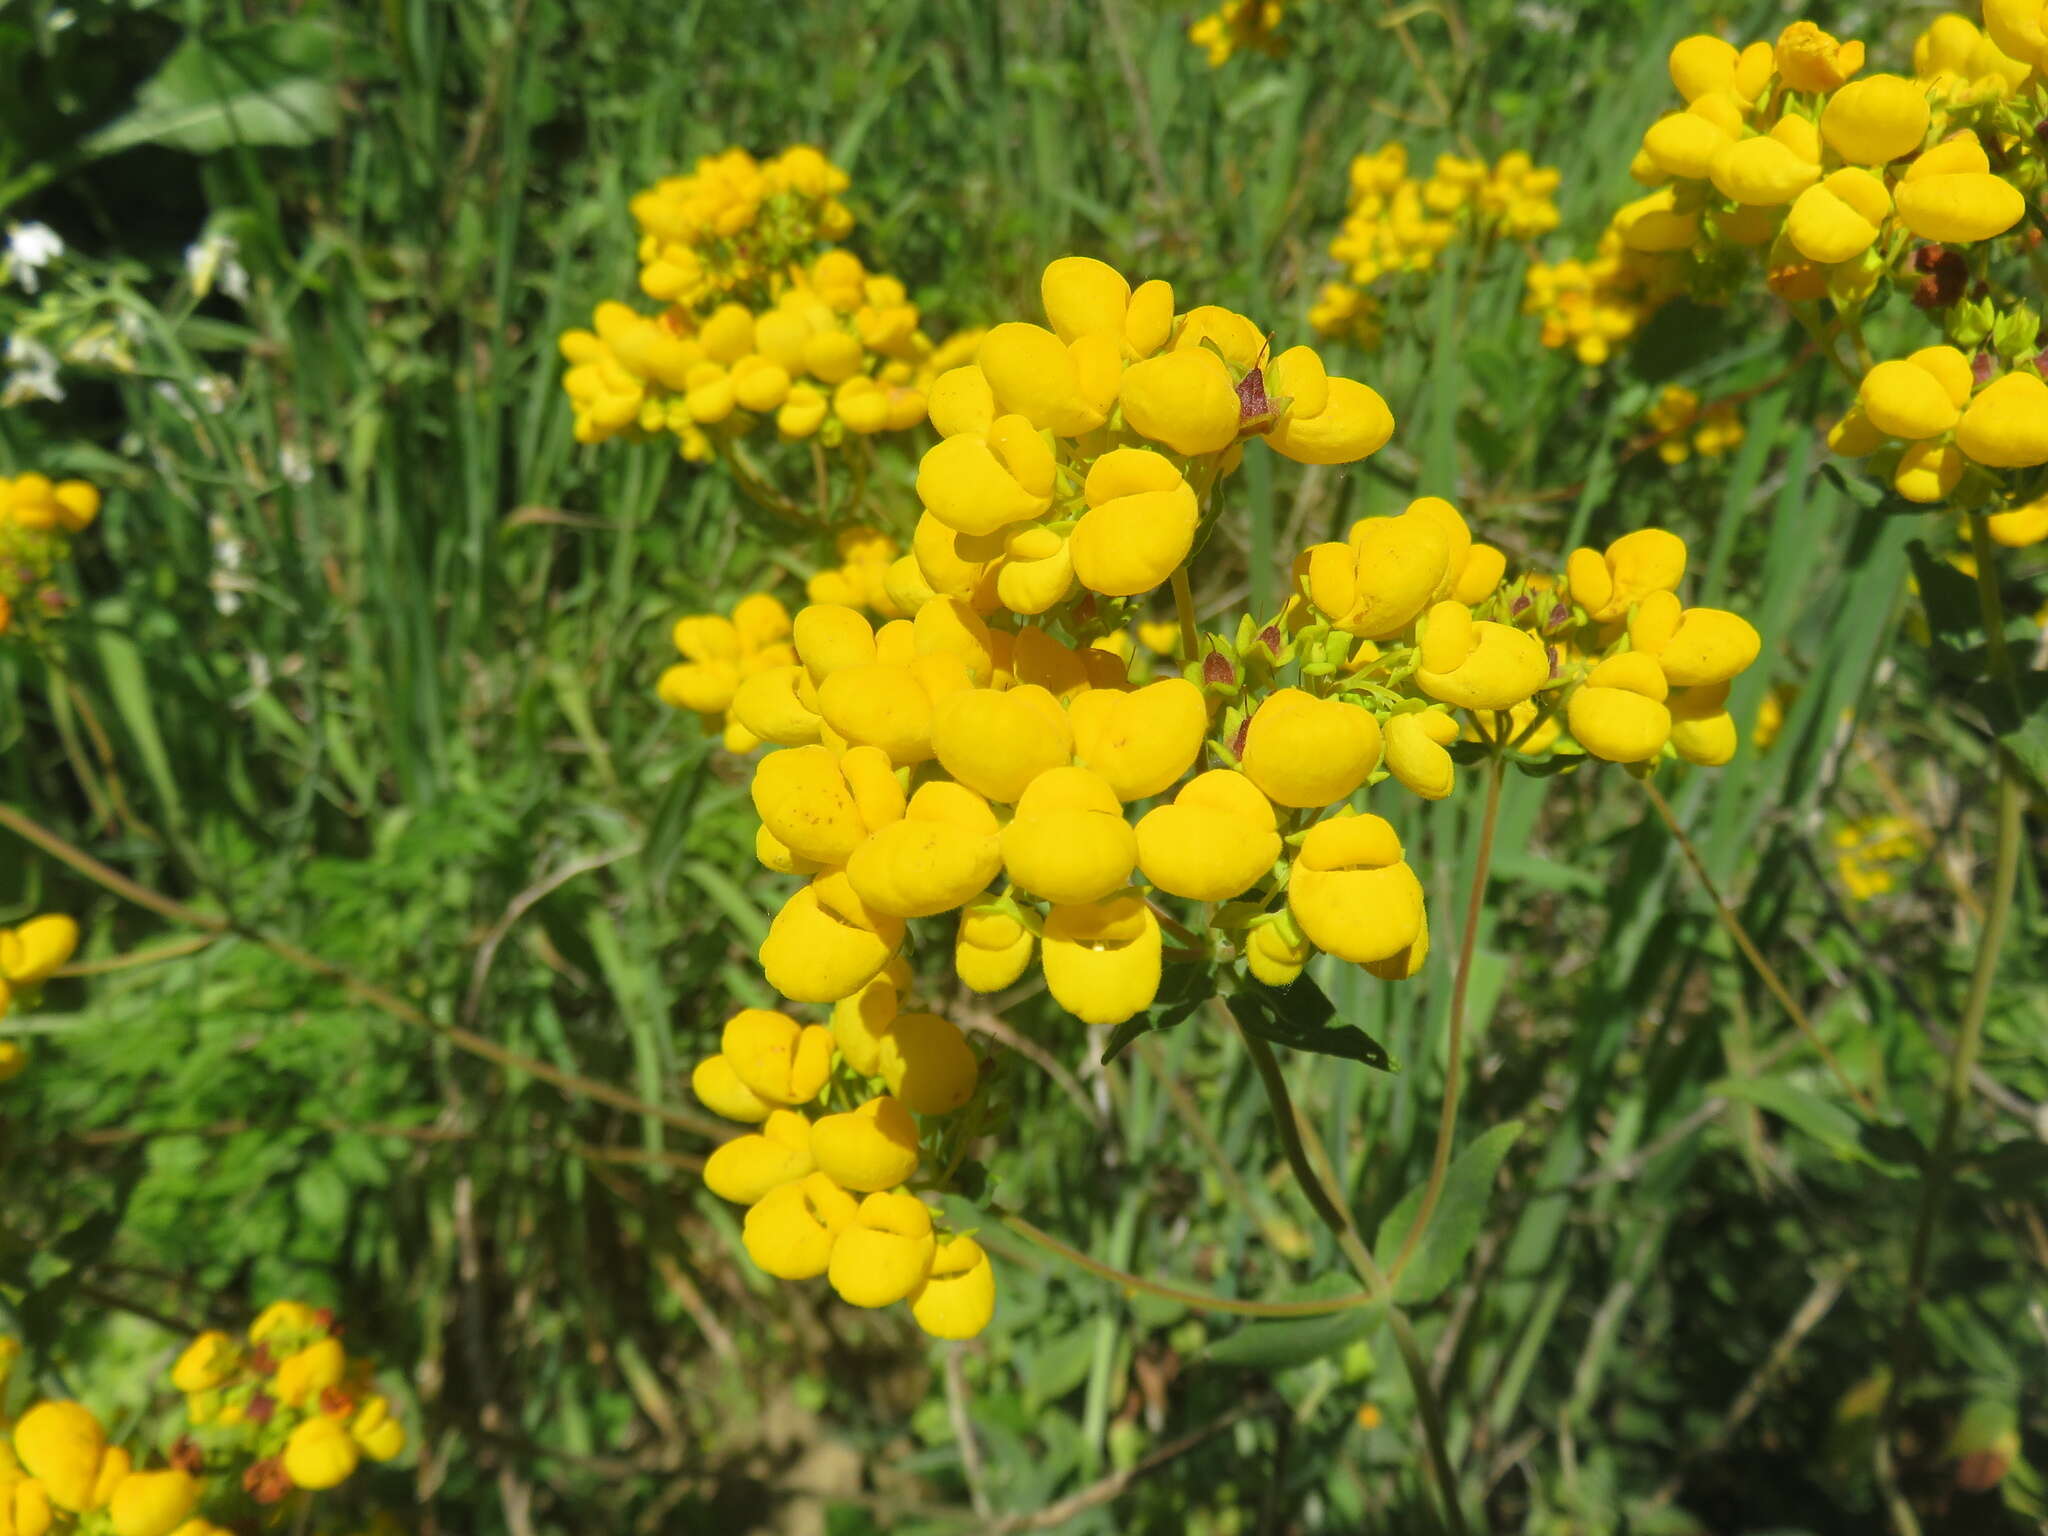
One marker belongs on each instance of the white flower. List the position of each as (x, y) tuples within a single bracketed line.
[(295, 464), (214, 390), (30, 248), (32, 372), (210, 261)]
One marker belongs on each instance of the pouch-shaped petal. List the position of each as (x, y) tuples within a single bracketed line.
[(1276, 952), (948, 626), (1306, 752), (1709, 646), (1102, 960), (60, 1444), (1132, 544), (789, 1232), (1084, 297), (747, 1167), (2006, 427), (962, 402), (152, 1503), (1619, 712), (802, 797), (826, 944), (1032, 375), (991, 948), (1684, 144), (774, 1057), (1763, 172), (879, 705), (1375, 584), (1216, 840), (774, 707), (929, 862), (831, 636), (872, 1147), (885, 1253), (1352, 892), (1876, 119), (860, 1021), (1353, 424), (1902, 399), (996, 743), (1652, 224), (1959, 208), (928, 1064), (1702, 729), (1825, 228), (958, 1297), (1141, 742), (38, 949), (1184, 399), (1069, 841), (965, 485), (720, 1090), (1504, 666), (1417, 755)]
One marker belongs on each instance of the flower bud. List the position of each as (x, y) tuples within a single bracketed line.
[(1277, 951)]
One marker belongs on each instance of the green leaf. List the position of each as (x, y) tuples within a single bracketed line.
[(271, 84), (1825, 1122), (1300, 1018), (1284, 1342), (1453, 1226), (1949, 596)]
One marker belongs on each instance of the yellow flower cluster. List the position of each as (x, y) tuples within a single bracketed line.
[(288, 1404), (59, 1473), (837, 351), (1867, 852), (1684, 430), (1241, 26), (1931, 418), (826, 1196), (719, 654), (1788, 161), (1397, 224), (29, 956), (37, 518), (731, 227), (989, 760), (1594, 305)]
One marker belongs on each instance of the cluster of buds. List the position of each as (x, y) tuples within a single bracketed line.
[(38, 517), (288, 1406), (1241, 26), (1684, 429), (985, 778), (29, 956), (1593, 305), (1399, 225)]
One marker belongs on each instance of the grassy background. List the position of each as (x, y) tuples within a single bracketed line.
[(424, 746)]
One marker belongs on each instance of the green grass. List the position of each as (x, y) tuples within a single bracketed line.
[(425, 748)]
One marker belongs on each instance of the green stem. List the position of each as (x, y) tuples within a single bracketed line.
[(1184, 607), (1970, 1036), (1337, 1218), (1461, 985)]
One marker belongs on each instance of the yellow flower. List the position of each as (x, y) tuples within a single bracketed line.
[(1478, 664), (940, 855), (35, 951), (1416, 754), (1353, 893), (1307, 752), (747, 1167), (1619, 712), (790, 1231), (1140, 742), (927, 1063), (958, 1296), (1215, 841), (826, 943), (1276, 951), (996, 743), (379, 1436), (777, 1060), (1877, 119), (869, 1148), (885, 1253), (152, 1503), (303, 1376), (1069, 841), (1141, 517), (2006, 426), (1950, 195), (320, 1453), (991, 949), (60, 1445), (1102, 959), (1809, 59)]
